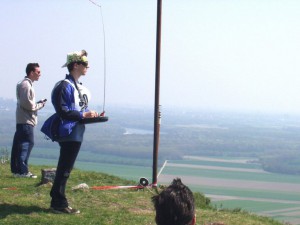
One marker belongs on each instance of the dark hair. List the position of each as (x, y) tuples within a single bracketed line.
[(31, 67), (70, 66), (174, 205)]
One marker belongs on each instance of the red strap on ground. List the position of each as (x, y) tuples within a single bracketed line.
[(116, 187), (10, 188)]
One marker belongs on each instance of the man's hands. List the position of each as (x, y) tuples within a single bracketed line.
[(43, 101), (91, 114)]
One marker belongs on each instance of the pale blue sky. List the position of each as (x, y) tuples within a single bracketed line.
[(216, 54)]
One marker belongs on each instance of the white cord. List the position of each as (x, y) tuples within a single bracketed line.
[(165, 163), (104, 53)]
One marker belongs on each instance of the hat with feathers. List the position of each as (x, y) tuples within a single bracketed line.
[(79, 56)]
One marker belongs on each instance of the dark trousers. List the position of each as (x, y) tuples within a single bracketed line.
[(68, 155), (22, 145)]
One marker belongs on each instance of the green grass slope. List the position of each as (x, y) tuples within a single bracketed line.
[(24, 201)]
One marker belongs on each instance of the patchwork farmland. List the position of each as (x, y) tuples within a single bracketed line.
[(232, 183), (238, 183)]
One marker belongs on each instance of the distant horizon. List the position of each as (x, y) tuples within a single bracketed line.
[(168, 108)]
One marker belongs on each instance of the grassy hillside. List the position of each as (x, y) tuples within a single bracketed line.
[(23, 201)]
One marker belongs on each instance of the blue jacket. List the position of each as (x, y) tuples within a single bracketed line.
[(70, 107), (66, 101)]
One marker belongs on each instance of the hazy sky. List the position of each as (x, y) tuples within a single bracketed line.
[(216, 54)]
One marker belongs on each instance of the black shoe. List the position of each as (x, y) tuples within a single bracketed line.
[(67, 210)]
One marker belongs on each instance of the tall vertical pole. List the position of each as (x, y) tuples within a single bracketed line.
[(157, 115)]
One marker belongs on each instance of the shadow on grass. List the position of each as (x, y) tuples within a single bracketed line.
[(8, 209)]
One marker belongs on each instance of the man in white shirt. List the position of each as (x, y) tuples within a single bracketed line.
[(26, 120)]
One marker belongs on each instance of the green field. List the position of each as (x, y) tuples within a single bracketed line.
[(269, 194)]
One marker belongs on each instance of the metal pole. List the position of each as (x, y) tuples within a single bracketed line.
[(157, 115)]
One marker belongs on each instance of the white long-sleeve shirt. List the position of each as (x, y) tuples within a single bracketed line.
[(27, 108)]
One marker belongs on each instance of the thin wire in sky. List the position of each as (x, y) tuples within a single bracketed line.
[(104, 53)]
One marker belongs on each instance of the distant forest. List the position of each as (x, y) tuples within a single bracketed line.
[(273, 140)]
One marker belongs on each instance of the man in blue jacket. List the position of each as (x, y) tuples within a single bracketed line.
[(70, 100)]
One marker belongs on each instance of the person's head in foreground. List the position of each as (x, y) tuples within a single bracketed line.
[(175, 205)]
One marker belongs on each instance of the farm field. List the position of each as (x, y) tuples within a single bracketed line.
[(116, 165), (229, 182), (123, 147), (235, 183)]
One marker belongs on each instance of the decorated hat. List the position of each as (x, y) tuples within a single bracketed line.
[(80, 56)]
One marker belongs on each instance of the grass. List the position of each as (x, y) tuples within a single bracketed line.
[(23, 201)]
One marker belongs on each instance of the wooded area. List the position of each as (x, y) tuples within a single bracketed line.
[(273, 139)]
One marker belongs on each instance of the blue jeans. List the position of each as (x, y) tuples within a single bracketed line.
[(22, 145)]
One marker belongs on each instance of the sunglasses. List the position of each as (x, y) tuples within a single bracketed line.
[(84, 64)]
